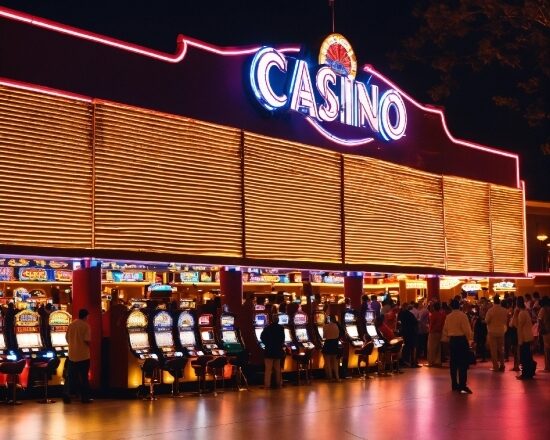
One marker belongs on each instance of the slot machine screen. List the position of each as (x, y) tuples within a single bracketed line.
[(300, 319), (228, 321), (205, 320), (187, 338), (139, 340), (58, 339), (369, 316), (164, 339), (301, 335), (229, 337), (258, 332), (186, 320), (28, 340), (352, 331), (288, 338), (260, 320), (2, 343), (349, 317), (371, 330), (283, 319), (321, 333), (207, 336)]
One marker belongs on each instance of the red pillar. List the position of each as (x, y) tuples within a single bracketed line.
[(231, 288), (87, 295), (353, 289), (432, 285)]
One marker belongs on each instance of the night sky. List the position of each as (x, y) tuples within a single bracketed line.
[(373, 28)]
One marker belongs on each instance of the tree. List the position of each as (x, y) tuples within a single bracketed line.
[(510, 37)]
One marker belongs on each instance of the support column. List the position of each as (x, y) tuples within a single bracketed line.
[(87, 295), (403, 291), (231, 288), (353, 289), (432, 285)]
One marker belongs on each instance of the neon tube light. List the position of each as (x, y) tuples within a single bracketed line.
[(372, 71), (182, 41)]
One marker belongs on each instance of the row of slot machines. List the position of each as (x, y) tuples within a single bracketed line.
[(163, 335), (300, 333), (32, 339)]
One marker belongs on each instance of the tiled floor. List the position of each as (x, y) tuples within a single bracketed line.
[(414, 405)]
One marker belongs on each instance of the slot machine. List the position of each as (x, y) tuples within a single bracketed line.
[(5, 353), (261, 321), (350, 326), (138, 337), (163, 335), (303, 338), (372, 331), (206, 332), (289, 343), (58, 322), (319, 318), (187, 335), (231, 337), (28, 338)]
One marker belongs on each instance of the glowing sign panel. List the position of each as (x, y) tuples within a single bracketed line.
[(331, 94)]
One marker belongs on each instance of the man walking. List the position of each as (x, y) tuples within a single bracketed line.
[(497, 324), (458, 332), (273, 336), (525, 339), (78, 339)]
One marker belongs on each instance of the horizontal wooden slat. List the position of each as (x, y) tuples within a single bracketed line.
[(166, 184), (45, 170), (393, 215), (292, 195), (507, 229), (467, 226)]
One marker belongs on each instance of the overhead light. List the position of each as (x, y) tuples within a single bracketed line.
[(542, 237)]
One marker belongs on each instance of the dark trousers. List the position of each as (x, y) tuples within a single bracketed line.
[(77, 379), (526, 360), (458, 347)]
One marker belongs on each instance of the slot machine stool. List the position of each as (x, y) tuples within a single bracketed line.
[(239, 362), (150, 376), (396, 350), (363, 357), (13, 370), (175, 368), (303, 360), (215, 368), (199, 367), (46, 369)]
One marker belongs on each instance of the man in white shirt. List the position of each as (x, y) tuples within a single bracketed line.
[(497, 321), (458, 332)]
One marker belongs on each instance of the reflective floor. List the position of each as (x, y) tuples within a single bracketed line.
[(415, 405)]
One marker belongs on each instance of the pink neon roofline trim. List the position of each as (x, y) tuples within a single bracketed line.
[(182, 41), (525, 265), (369, 69)]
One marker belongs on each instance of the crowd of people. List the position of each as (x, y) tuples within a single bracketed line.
[(466, 332)]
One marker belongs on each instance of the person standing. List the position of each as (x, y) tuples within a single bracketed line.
[(423, 330), (458, 332), (78, 339), (375, 306), (273, 336), (409, 331), (331, 333), (497, 324), (436, 321), (525, 339)]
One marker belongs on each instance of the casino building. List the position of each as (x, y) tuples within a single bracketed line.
[(228, 159)]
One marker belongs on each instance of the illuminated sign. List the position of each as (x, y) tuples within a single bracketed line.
[(189, 277), (471, 287), (63, 275), (329, 93), (6, 273), (136, 319), (504, 285), (33, 274)]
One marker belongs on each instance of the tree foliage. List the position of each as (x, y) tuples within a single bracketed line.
[(510, 37)]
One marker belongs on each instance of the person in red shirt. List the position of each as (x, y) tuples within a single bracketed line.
[(390, 318), (436, 322), (383, 328)]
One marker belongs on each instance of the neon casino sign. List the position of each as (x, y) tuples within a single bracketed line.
[(328, 93)]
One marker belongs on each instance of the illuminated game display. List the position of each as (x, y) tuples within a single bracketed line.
[(206, 332), (3, 345), (320, 319), (163, 327), (260, 322), (284, 320), (136, 325), (300, 331), (27, 335), (186, 333), (58, 322), (352, 333)]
